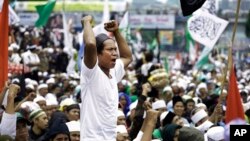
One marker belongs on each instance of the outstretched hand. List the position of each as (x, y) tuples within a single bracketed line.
[(13, 90), (111, 26)]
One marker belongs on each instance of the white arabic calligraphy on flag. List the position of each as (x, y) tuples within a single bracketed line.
[(206, 28)]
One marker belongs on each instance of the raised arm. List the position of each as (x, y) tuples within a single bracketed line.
[(125, 52), (90, 52)]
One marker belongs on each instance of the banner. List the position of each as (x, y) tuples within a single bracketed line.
[(206, 28), (152, 21)]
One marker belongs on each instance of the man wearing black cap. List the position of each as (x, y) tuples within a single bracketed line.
[(101, 69)]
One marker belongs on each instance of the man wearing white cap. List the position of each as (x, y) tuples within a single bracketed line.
[(42, 89), (74, 130), (215, 134), (31, 59), (122, 133), (15, 57), (121, 120), (200, 119), (41, 101)]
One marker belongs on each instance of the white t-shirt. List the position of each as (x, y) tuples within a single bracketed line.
[(99, 102)]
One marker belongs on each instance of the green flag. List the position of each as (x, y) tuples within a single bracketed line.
[(154, 44), (166, 66), (124, 27), (203, 59), (44, 12)]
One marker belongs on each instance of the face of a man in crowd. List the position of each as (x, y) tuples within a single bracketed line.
[(42, 104), (61, 137), (179, 108), (42, 121), (190, 106), (108, 56), (121, 120), (73, 114), (21, 131), (75, 136)]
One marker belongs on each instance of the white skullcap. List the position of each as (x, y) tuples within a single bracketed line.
[(27, 80), (52, 75), (14, 46), (15, 80), (45, 74), (163, 115), (196, 100), (120, 113), (30, 105), (191, 85), (167, 89), (216, 133), (199, 115), (74, 83), (202, 85), (51, 81), (186, 97), (248, 88), (42, 86), (159, 104), (243, 81), (240, 86), (73, 126), (51, 100), (40, 73), (205, 126), (201, 105), (121, 129), (30, 86), (67, 102), (34, 82), (39, 98)]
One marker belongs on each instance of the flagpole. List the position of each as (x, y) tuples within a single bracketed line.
[(158, 42), (230, 58)]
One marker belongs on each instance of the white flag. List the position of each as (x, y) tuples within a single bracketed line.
[(105, 18), (124, 22), (13, 18), (206, 28), (1, 5)]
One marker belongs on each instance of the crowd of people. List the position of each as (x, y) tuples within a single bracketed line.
[(117, 95)]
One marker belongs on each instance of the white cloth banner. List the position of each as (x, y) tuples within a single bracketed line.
[(13, 18), (206, 28)]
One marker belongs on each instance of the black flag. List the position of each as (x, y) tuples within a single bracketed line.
[(189, 6)]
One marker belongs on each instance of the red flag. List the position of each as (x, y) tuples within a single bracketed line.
[(4, 25), (234, 104)]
